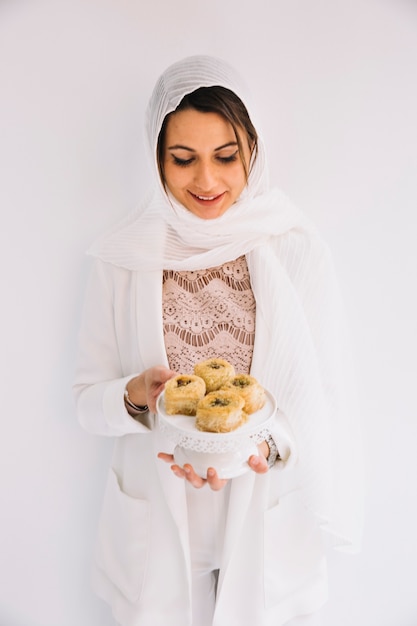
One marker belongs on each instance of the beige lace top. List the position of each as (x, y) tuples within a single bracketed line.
[(209, 313)]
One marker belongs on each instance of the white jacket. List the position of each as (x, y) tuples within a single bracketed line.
[(273, 564)]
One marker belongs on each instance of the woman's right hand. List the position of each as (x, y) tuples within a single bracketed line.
[(145, 388), (187, 472)]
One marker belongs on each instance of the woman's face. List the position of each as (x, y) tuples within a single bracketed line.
[(202, 164)]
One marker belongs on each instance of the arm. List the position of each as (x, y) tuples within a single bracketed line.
[(100, 380)]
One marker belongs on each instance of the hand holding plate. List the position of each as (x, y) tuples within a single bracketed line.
[(187, 472)]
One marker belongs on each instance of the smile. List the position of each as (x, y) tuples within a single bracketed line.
[(200, 198)]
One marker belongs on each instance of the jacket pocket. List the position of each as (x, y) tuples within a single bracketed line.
[(293, 553), (123, 539)]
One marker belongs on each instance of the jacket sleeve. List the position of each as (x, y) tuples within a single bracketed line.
[(99, 380), (283, 437)]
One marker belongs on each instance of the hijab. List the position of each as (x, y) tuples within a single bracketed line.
[(162, 234), (307, 364)]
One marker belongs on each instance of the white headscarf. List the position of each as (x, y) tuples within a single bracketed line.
[(162, 234), (306, 366)]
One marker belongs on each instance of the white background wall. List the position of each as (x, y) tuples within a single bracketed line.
[(336, 83)]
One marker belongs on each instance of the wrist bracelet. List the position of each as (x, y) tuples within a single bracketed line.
[(135, 407), (273, 451)]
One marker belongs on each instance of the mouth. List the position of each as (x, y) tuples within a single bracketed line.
[(207, 200)]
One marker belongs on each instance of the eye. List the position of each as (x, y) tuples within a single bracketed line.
[(182, 162), (229, 159)]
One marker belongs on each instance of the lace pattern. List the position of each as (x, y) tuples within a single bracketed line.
[(209, 313), (196, 441)]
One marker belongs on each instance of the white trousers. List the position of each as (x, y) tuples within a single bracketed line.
[(207, 512)]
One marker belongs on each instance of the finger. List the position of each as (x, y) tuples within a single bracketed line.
[(194, 479), (168, 375), (215, 483), (158, 385), (163, 374), (155, 393), (258, 464), (168, 458), (188, 473), (178, 471), (153, 399)]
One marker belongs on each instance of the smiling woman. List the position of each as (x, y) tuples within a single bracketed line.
[(214, 264), (203, 167), (210, 128)]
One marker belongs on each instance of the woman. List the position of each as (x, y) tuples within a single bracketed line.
[(214, 263)]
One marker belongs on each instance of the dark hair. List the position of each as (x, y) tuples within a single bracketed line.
[(219, 100)]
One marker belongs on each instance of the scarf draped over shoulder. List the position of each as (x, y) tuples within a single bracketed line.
[(307, 367)]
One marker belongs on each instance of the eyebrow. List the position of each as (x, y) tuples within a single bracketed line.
[(181, 147)]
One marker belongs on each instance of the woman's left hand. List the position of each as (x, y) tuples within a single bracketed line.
[(257, 463)]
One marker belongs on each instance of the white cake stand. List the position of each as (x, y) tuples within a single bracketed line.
[(228, 453)]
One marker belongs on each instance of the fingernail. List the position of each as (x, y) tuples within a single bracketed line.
[(210, 473)]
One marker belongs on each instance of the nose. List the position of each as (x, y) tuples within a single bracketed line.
[(205, 177)]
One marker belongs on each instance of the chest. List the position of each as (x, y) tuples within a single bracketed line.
[(209, 314)]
